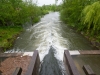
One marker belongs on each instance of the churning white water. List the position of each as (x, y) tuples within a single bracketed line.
[(46, 33), (50, 34)]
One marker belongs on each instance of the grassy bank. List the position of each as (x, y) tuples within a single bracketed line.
[(7, 36)]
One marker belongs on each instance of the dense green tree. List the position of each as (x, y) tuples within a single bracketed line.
[(17, 12), (47, 8), (82, 14), (91, 18), (72, 10)]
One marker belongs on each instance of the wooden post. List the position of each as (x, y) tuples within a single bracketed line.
[(33, 68), (69, 63), (18, 71)]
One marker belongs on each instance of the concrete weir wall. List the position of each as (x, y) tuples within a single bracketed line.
[(69, 64), (33, 68)]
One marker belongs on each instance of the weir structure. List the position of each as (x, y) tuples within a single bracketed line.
[(33, 68)]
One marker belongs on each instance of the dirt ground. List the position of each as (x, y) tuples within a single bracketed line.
[(8, 66)]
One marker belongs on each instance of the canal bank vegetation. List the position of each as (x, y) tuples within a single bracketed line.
[(50, 8), (84, 15), (17, 12), (7, 36), (14, 14)]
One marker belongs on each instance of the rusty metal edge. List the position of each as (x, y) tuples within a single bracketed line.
[(70, 63), (90, 52), (32, 64), (17, 71)]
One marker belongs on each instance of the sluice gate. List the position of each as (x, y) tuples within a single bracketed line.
[(34, 65)]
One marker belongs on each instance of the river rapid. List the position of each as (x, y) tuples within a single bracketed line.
[(50, 37)]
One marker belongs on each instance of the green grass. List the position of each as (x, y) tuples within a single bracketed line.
[(8, 35)]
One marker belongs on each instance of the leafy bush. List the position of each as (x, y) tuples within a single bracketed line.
[(17, 12), (91, 18), (84, 15)]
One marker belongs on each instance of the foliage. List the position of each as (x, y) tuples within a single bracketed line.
[(47, 8), (84, 15), (91, 18), (72, 10), (14, 14), (8, 35), (17, 12)]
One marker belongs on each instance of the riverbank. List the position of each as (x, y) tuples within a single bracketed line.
[(8, 36), (93, 40)]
